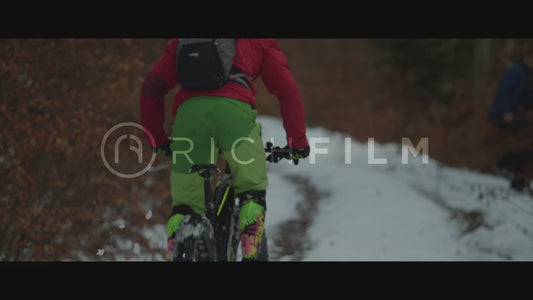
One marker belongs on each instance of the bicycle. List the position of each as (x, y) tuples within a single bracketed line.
[(215, 235)]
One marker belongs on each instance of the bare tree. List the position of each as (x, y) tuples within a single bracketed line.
[(481, 65)]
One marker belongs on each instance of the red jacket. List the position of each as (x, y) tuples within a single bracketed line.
[(255, 57)]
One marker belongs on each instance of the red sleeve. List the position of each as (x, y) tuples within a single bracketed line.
[(279, 81), (161, 78)]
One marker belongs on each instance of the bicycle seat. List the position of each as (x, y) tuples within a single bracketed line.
[(204, 170)]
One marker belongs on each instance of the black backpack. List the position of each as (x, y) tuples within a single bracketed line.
[(207, 64)]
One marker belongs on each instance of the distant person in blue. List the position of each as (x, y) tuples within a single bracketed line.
[(513, 97), (514, 92)]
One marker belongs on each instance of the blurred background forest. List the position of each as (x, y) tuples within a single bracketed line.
[(59, 97)]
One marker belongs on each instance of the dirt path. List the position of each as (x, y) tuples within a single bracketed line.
[(291, 241)]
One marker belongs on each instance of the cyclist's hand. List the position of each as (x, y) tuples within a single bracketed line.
[(508, 117), (164, 149), (299, 153), (288, 153)]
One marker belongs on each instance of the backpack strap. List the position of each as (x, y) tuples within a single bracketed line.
[(237, 75)]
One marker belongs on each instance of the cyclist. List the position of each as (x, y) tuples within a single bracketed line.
[(515, 91), (514, 94), (223, 119)]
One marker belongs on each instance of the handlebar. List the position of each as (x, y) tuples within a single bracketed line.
[(277, 153)]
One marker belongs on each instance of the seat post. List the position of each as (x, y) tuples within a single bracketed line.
[(206, 171)]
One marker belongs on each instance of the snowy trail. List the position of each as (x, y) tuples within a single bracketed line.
[(338, 206), (405, 212)]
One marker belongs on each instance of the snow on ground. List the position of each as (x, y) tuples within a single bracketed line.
[(400, 210), (413, 210)]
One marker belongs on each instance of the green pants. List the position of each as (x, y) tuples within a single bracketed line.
[(205, 125)]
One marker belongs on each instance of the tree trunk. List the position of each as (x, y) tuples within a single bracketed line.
[(509, 49), (481, 64)]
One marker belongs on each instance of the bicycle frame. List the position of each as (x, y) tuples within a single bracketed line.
[(226, 218)]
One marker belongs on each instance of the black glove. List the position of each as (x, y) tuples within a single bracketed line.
[(164, 149), (299, 153), (289, 153)]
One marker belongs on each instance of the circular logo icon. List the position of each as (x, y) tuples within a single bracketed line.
[(127, 133)]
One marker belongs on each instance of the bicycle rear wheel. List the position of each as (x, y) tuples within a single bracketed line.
[(195, 240), (262, 253), (224, 199)]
